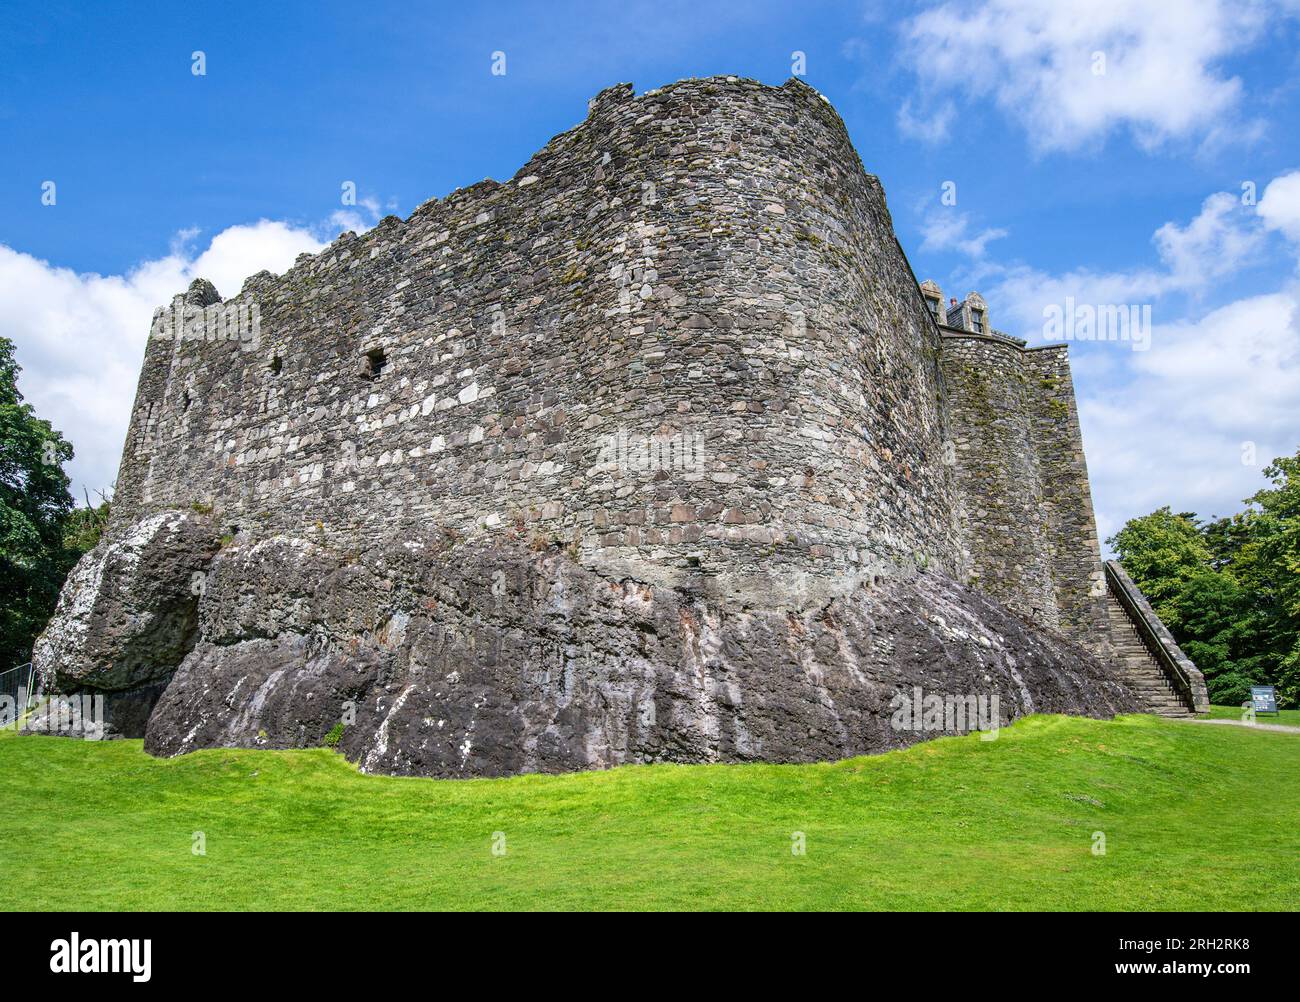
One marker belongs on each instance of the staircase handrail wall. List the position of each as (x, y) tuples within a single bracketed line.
[(1185, 677)]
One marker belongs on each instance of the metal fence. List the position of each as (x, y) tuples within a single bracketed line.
[(19, 684)]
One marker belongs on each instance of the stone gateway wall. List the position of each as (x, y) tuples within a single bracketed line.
[(1071, 529), (1001, 486), (651, 453)]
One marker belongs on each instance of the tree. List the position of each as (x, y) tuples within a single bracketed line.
[(1225, 537), (1161, 552), (1228, 590), (1270, 563), (1209, 617), (34, 507), (83, 528)]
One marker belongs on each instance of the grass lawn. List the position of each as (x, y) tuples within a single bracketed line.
[(1194, 817), (1289, 717)]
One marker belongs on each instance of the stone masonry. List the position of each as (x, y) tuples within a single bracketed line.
[(1030, 539), (709, 258), (568, 469)]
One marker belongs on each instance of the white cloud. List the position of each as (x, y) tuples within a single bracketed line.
[(1037, 59), (930, 126), (1279, 207), (80, 337), (946, 229), (358, 221), (1169, 425), (1224, 237), (1220, 240), (1177, 430)]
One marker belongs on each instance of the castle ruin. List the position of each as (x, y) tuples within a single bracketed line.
[(656, 451)]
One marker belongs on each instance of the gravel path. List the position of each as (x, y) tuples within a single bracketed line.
[(1284, 728)]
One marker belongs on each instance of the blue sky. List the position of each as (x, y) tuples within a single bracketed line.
[(1069, 182)]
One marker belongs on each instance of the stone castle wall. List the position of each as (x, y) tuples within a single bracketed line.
[(1071, 527), (629, 459), (1026, 505), (682, 337)]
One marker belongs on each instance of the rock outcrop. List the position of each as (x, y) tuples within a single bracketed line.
[(128, 615), (456, 659)]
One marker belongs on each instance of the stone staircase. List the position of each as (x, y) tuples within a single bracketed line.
[(1156, 668), (1142, 672)]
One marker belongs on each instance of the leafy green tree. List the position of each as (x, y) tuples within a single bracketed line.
[(1225, 537), (1270, 563), (1228, 590), (34, 507), (1209, 617), (1161, 552), (82, 530)]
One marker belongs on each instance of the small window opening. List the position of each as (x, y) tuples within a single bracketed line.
[(977, 321), (376, 360), (933, 304), (276, 365), (188, 400)]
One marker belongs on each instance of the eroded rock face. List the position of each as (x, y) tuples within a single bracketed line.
[(484, 660), (128, 614)]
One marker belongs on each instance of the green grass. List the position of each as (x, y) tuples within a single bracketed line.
[(1290, 718), (1195, 817)]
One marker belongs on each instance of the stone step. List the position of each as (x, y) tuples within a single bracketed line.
[(1144, 677), (1140, 668)]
